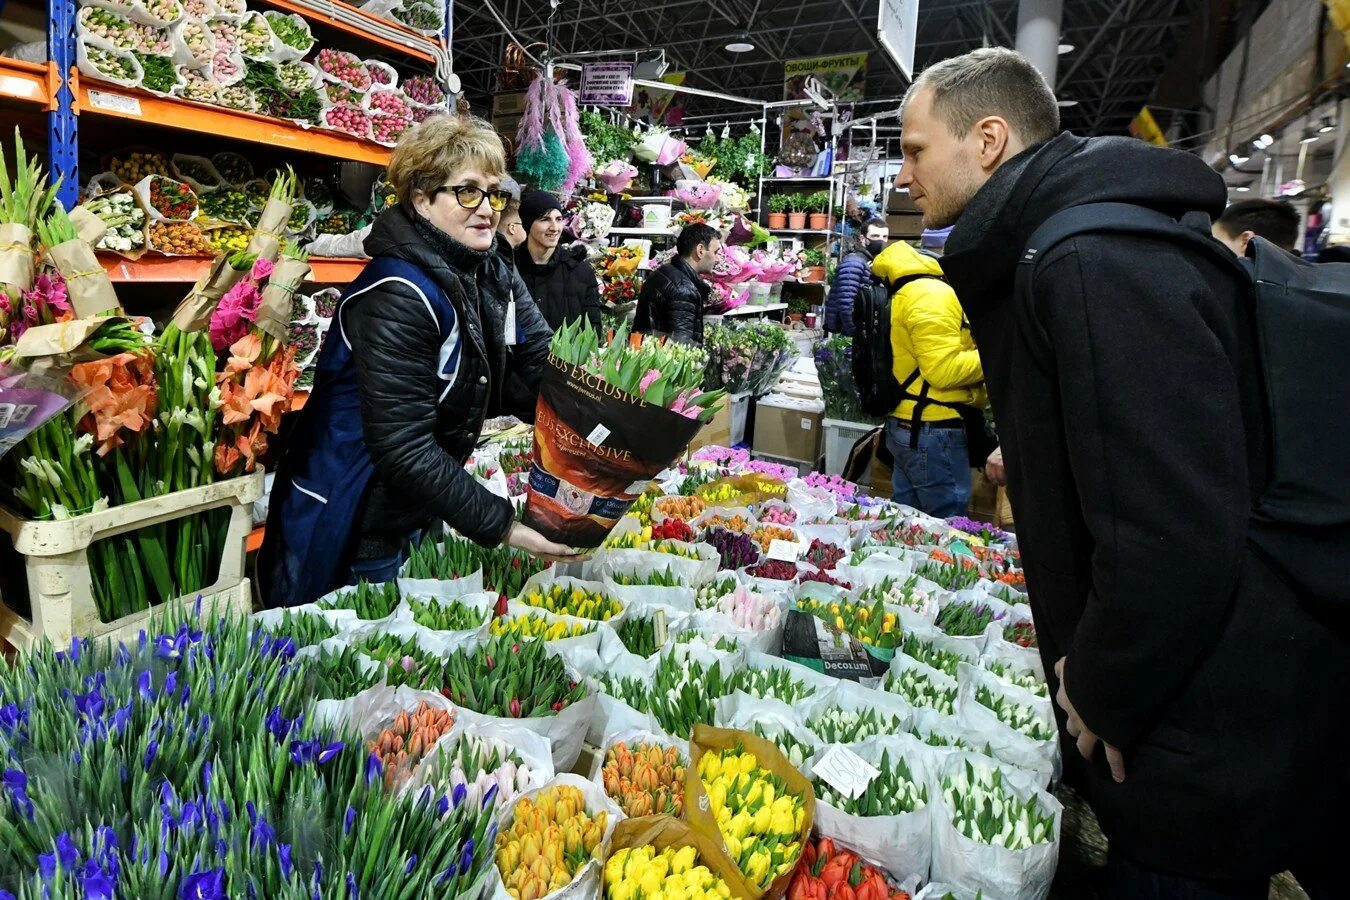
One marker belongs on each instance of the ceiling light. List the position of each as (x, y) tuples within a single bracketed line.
[(1309, 137), (741, 43), (1237, 160), (1066, 48), (1326, 125), (1242, 189), (1267, 140), (1065, 104)]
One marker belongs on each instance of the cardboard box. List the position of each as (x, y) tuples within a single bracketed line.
[(508, 104), (787, 433), (717, 431), (904, 225)]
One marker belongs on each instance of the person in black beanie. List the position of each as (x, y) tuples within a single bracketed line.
[(561, 281)]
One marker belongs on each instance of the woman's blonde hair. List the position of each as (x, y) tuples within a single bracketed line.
[(429, 154)]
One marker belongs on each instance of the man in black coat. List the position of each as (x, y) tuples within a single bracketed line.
[(1203, 696), (673, 296), (560, 279)]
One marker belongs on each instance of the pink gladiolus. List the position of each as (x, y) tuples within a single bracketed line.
[(262, 268)]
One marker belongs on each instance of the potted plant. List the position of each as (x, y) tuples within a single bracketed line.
[(797, 309), (837, 217), (813, 266), (797, 211), (819, 208), (778, 206)]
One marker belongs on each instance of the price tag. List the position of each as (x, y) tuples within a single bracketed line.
[(806, 424), (597, 435), (845, 771), (117, 103), (787, 551), (509, 326)]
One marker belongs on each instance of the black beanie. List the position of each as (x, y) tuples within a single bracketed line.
[(534, 205)]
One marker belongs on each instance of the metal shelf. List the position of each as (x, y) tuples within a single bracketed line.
[(750, 308), (395, 37), (639, 232), (800, 231), (800, 179), (27, 83), (153, 268)]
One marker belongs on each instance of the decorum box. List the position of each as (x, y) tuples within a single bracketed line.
[(787, 432)]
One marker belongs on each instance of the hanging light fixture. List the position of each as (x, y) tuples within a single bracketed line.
[(1326, 126), (1237, 160), (1309, 137), (741, 43), (1065, 104)]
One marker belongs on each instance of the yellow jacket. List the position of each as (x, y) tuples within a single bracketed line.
[(929, 332)]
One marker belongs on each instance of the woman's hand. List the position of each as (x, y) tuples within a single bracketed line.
[(523, 537)]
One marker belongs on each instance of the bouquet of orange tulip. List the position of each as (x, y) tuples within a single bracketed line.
[(645, 778)]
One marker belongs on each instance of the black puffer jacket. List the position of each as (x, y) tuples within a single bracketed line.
[(500, 283), (418, 433), (1131, 425), (672, 301), (564, 288)]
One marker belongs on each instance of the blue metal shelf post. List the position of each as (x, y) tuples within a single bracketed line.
[(62, 123)]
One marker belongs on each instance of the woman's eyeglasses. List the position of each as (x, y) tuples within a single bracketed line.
[(471, 197)]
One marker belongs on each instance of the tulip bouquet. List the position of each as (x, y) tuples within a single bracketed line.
[(449, 615), (920, 690), (836, 725), (667, 375), (948, 572), (672, 529), (775, 570), (749, 610), (683, 694), (510, 678), (550, 839), (773, 684), (643, 540), (735, 522), (638, 634), (927, 653), (1019, 717), (644, 778), (820, 576), (984, 809), (654, 578), (191, 766), (1023, 678), (894, 792), (722, 644), (722, 494), (486, 768), (828, 872), (795, 751), (710, 593), (304, 629), (628, 689), (936, 738), (822, 554), (368, 601), (405, 663), (505, 569), (982, 530), (541, 628), (872, 623), (766, 534), (778, 515), (685, 509), (735, 550), (636, 872), (578, 601), (405, 741), (966, 619), (1023, 634), (894, 592), (759, 819)]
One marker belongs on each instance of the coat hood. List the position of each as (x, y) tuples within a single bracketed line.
[(987, 240), (900, 259)]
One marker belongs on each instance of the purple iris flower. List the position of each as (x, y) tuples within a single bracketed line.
[(347, 819), (208, 885), (374, 770), (98, 886), (408, 866), (284, 857)]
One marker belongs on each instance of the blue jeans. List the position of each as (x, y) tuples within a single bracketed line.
[(933, 477), (384, 568)]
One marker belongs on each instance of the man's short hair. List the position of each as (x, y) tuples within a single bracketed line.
[(876, 222), (692, 236), (1274, 220), (992, 81)]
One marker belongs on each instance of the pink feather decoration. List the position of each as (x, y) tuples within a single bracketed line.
[(579, 158), (531, 130)]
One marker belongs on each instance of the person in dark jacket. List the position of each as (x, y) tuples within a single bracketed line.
[(403, 387), (1202, 698), (673, 297), (854, 276), (560, 279)]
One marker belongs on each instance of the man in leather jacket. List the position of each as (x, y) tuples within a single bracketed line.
[(673, 296)]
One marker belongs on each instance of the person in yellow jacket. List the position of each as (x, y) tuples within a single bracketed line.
[(938, 368)]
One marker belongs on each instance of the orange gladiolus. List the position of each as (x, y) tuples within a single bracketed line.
[(121, 394)]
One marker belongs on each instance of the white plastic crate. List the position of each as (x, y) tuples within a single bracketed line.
[(840, 436), (57, 566)]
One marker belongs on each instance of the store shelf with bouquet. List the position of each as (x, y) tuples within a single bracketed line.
[(129, 486)]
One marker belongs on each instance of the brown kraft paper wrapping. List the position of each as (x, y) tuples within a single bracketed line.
[(274, 315), (194, 313), (88, 227), (667, 831), (58, 339), (91, 290), (266, 240), (595, 450), (697, 812), (16, 259)]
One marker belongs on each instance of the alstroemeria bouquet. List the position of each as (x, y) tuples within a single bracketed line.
[(664, 374), (191, 765), (985, 810), (760, 820)]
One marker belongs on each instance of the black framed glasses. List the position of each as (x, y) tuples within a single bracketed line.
[(470, 197)]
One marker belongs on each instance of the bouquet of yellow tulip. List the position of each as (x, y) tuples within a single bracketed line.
[(574, 600), (538, 627), (550, 839), (759, 804), (643, 872)]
